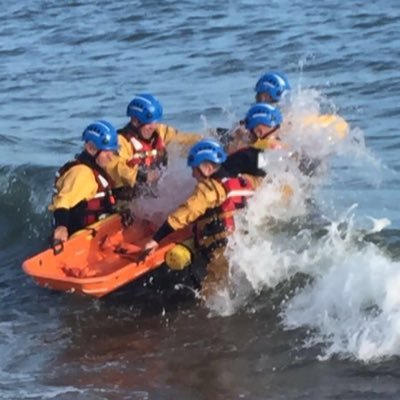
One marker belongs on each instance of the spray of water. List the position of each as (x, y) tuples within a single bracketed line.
[(175, 186), (350, 301)]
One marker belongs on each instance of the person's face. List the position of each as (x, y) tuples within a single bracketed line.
[(264, 98), (147, 130), (104, 158), (203, 171), (262, 131)]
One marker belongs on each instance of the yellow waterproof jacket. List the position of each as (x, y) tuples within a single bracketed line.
[(125, 175), (269, 143), (77, 184), (172, 135), (335, 125), (208, 194), (242, 140), (82, 194)]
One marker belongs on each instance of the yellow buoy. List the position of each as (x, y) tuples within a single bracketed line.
[(335, 123), (179, 257)]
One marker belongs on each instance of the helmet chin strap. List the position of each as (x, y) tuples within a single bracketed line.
[(91, 151), (97, 154), (269, 133), (201, 172), (207, 176)]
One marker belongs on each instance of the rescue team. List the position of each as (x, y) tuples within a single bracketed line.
[(118, 166)]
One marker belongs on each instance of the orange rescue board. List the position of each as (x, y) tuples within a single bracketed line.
[(101, 258)]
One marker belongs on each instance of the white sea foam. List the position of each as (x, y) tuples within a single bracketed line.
[(354, 306), (352, 302), (352, 299)]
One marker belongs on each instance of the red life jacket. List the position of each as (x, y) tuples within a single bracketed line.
[(146, 152), (87, 212), (238, 191), (212, 229)]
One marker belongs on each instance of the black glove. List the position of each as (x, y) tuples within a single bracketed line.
[(124, 193), (127, 217)]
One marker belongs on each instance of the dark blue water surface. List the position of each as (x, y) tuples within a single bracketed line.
[(66, 63)]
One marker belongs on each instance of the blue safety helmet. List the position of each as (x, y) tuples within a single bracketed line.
[(274, 84), (206, 150), (262, 114), (102, 134), (146, 108)]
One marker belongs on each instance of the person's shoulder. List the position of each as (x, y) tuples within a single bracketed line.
[(162, 128), (79, 172), (206, 185), (214, 184), (166, 132), (211, 191), (122, 140)]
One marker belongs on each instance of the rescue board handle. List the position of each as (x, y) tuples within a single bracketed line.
[(57, 246)]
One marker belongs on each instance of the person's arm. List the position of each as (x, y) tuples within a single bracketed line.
[(75, 185), (207, 194), (171, 135), (121, 173)]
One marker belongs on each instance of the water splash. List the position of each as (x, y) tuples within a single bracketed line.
[(353, 307), (350, 301), (175, 185)]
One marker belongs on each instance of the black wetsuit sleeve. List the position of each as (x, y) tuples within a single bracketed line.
[(61, 217), (164, 230)]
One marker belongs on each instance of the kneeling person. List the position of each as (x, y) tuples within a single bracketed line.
[(143, 145), (211, 207), (82, 187)]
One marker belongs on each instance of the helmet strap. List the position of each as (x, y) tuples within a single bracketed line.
[(216, 168), (269, 133), (201, 172), (97, 154)]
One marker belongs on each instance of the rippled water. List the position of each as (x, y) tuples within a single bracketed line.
[(64, 64)]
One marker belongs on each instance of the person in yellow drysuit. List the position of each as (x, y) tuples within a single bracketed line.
[(82, 192), (270, 88), (211, 207), (262, 123), (143, 145)]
